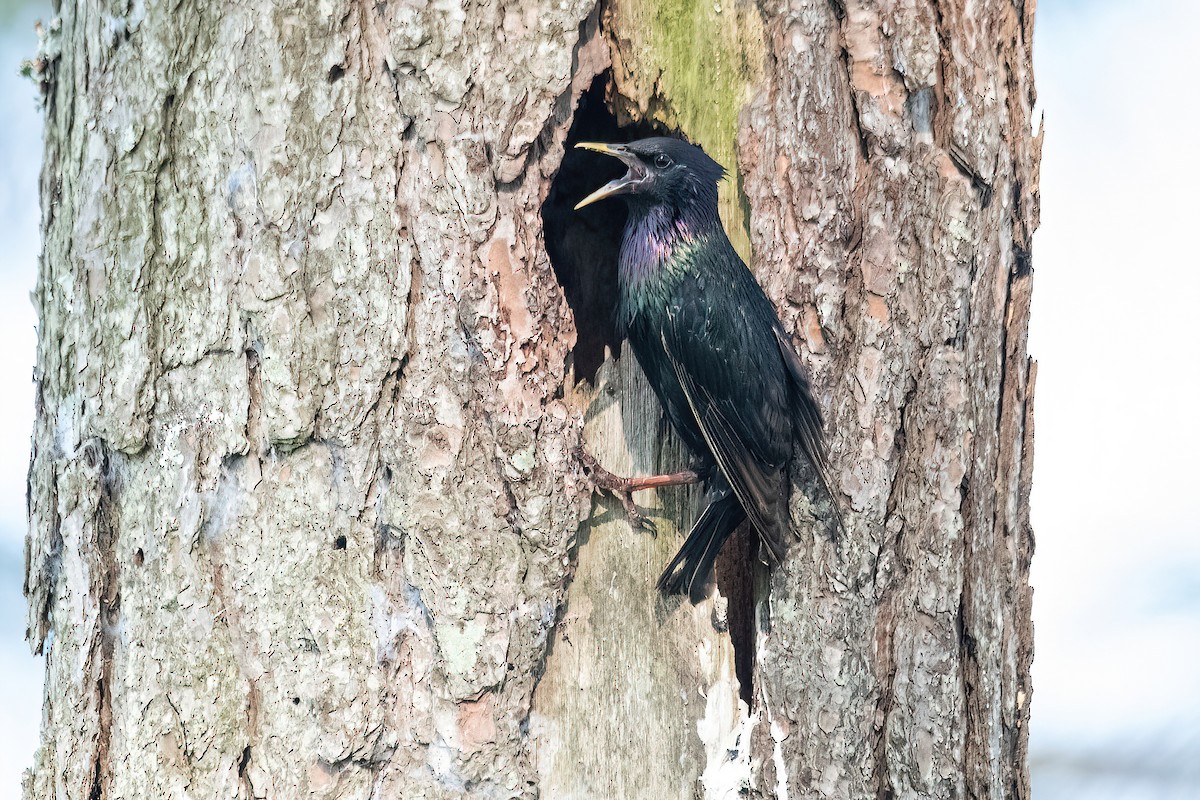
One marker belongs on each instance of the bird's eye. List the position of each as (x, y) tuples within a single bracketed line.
[(662, 161)]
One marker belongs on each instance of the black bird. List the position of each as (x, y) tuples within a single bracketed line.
[(715, 352)]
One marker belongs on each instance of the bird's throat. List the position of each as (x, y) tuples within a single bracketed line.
[(659, 247), (657, 244)]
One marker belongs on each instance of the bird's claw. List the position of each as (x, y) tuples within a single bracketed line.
[(618, 487), (636, 518)]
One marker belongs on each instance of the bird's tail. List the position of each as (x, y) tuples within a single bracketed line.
[(691, 571)]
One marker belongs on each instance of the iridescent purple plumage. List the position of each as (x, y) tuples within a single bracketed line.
[(713, 349)]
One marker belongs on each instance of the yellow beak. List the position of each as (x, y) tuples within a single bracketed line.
[(599, 147), (619, 186)]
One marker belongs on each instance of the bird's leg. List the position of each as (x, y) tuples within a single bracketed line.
[(623, 488)]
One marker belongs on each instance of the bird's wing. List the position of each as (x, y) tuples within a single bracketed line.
[(810, 427), (742, 416), (809, 424)]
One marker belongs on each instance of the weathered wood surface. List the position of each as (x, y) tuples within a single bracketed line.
[(303, 499)]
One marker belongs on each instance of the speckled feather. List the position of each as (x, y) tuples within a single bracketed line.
[(716, 354)]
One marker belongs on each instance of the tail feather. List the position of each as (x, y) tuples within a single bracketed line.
[(691, 571)]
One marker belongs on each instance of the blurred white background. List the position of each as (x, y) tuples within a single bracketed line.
[(1116, 507), (1116, 503)]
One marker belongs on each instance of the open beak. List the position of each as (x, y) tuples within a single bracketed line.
[(622, 185)]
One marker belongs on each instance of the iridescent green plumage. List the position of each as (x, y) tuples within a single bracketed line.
[(713, 349)]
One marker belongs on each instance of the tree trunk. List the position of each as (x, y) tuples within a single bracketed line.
[(320, 336)]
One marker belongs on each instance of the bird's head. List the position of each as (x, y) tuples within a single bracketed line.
[(661, 171)]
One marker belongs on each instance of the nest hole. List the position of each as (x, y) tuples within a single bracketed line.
[(583, 245)]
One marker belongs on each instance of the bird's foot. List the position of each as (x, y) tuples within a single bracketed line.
[(623, 488), (618, 487)]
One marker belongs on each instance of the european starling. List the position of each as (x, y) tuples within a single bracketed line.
[(713, 349)]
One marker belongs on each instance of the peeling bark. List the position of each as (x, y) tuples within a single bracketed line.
[(305, 516)]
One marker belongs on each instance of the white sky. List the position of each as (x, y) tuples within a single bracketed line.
[(1116, 310), (1116, 504)]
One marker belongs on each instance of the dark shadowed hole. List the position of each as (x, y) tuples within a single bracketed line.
[(339, 543), (734, 569), (583, 245), (244, 760)]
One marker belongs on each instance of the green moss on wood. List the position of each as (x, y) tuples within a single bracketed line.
[(691, 65)]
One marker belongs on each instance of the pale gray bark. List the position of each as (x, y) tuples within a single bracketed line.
[(305, 513)]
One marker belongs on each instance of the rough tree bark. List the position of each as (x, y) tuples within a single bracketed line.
[(305, 516)]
